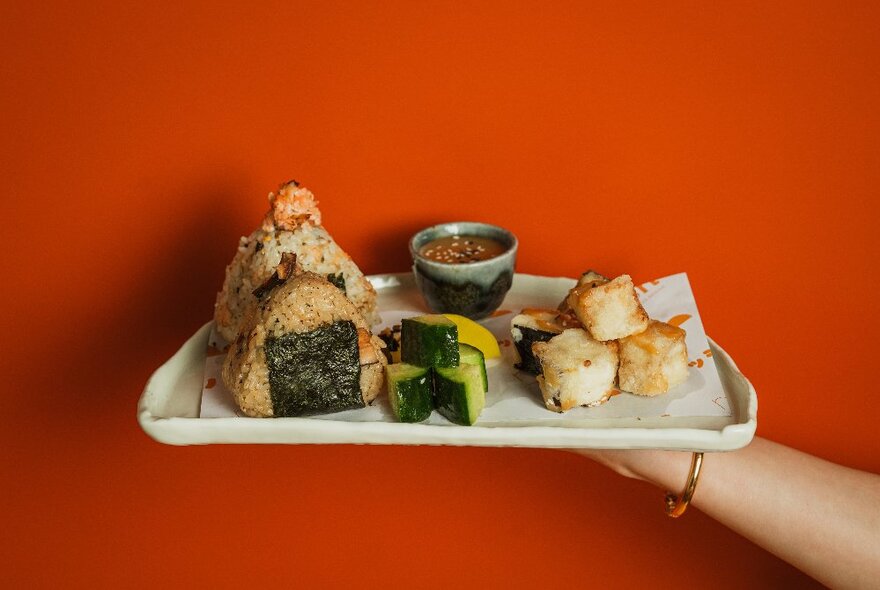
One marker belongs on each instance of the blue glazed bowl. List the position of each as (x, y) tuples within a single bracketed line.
[(474, 289)]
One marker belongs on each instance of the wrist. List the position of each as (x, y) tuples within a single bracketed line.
[(665, 469)]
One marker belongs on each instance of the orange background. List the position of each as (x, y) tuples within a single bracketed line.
[(738, 143)]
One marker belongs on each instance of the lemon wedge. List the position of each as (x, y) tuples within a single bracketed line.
[(470, 332)]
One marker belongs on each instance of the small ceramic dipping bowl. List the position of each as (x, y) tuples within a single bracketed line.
[(472, 289)]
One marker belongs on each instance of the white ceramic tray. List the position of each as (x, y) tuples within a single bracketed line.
[(169, 408)]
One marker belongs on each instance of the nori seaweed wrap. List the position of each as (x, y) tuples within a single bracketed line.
[(530, 326)]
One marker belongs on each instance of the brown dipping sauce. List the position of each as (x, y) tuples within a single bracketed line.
[(461, 249)]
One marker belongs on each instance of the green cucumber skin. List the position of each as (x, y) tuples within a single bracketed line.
[(471, 355), (428, 345), (412, 399), (459, 394)]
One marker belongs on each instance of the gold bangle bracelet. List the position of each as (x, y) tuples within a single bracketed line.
[(675, 505)]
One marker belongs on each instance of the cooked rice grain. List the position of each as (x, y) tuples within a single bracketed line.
[(258, 255)]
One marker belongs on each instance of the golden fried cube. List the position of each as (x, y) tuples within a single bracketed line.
[(653, 361), (609, 311)]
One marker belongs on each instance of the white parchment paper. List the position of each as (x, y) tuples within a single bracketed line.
[(514, 398)]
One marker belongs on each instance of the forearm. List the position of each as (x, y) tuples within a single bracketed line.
[(822, 518)]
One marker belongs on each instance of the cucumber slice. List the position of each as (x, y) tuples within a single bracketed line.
[(471, 355), (409, 392), (429, 341), (459, 393)]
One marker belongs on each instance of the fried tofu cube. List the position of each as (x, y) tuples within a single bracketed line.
[(591, 278), (609, 311), (654, 361), (576, 370)]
